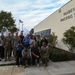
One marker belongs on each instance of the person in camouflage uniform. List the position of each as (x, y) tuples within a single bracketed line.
[(5, 48), (16, 39), (45, 54), (8, 47)]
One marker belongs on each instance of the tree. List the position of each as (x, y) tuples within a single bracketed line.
[(6, 21), (69, 38), (14, 29), (52, 39), (32, 30)]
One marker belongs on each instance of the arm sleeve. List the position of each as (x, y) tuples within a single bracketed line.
[(22, 53)]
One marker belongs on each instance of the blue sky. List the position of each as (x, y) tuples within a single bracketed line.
[(31, 12)]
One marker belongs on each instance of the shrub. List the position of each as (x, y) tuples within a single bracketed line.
[(69, 39), (57, 55), (52, 39)]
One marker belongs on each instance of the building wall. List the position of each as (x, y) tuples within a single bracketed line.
[(60, 21)]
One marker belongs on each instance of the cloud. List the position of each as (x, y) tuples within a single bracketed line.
[(31, 11)]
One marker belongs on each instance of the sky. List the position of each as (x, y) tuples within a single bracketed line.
[(31, 12)]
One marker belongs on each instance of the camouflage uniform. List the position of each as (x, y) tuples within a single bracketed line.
[(45, 55), (8, 48), (5, 48), (16, 39)]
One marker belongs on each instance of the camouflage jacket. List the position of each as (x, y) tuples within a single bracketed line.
[(45, 51), (16, 39)]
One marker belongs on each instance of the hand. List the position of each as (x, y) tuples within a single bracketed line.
[(43, 57), (18, 44), (4, 46), (37, 56), (39, 48)]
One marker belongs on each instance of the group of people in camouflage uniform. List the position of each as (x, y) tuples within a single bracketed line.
[(30, 47), (9, 45)]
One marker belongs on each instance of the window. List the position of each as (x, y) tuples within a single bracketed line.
[(45, 32)]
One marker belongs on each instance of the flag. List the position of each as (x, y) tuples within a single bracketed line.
[(20, 21)]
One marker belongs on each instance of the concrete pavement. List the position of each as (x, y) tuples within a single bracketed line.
[(61, 68), (54, 68)]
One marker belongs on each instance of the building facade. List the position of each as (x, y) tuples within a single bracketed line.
[(58, 22)]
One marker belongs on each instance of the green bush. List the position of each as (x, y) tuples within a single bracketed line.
[(69, 38), (52, 39), (57, 55)]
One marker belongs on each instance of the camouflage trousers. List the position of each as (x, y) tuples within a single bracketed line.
[(7, 53), (45, 60), (14, 52)]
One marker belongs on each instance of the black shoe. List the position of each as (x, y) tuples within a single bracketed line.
[(24, 66)]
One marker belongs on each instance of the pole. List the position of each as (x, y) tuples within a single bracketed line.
[(22, 27), (19, 25)]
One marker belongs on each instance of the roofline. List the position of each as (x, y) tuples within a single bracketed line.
[(54, 12)]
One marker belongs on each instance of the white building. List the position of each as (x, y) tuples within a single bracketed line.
[(58, 22)]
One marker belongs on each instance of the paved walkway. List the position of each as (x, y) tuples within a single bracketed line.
[(54, 68)]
